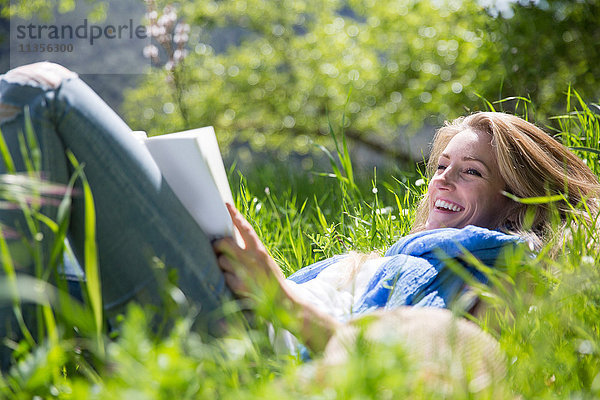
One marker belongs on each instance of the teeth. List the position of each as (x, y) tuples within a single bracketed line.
[(446, 205)]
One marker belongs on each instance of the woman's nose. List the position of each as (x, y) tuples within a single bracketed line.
[(445, 180)]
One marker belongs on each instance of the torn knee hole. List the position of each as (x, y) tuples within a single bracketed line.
[(8, 111)]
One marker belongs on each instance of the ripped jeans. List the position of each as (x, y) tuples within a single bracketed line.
[(138, 218)]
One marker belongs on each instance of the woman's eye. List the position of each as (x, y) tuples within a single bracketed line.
[(472, 171), (441, 167)]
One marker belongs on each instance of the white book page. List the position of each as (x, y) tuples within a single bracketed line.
[(191, 164), (209, 147)]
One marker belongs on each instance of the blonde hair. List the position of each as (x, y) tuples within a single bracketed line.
[(531, 163)]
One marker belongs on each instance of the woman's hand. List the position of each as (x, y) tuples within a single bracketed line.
[(251, 272), (249, 267)]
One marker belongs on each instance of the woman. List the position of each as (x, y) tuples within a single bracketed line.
[(534, 164), (476, 164), (139, 220)]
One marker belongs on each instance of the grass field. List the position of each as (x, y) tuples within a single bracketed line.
[(543, 310)]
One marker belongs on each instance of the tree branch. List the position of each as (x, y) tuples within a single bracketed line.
[(397, 154)]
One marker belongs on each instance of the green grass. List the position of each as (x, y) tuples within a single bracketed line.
[(544, 311)]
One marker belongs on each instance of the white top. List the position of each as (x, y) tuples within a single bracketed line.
[(335, 290), (338, 287)]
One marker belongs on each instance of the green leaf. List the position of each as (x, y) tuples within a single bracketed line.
[(90, 252), (535, 200), (586, 149), (8, 161), (12, 291)]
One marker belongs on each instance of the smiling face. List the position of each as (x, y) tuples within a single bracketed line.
[(466, 188)]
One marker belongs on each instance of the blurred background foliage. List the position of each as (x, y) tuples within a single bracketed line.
[(269, 75)]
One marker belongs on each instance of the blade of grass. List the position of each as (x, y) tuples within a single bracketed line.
[(8, 160), (320, 216), (37, 291), (345, 157), (32, 143), (11, 276), (90, 255), (26, 156), (586, 149), (489, 105), (534, 200)]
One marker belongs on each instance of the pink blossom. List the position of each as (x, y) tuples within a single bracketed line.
[(150, 51)]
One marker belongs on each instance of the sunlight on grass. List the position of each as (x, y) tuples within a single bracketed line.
[(543, 308)]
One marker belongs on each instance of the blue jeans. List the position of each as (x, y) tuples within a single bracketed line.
[(138, 218)]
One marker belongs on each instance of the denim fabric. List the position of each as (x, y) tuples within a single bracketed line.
[(138, 217), (414, 270)]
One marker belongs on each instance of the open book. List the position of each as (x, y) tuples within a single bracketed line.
[(191, 163)]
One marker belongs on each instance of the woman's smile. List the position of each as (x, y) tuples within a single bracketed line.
[(447, 206)]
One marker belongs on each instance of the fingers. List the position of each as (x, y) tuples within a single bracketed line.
[(233, 258), (229, 247), (225, 264), (224, 246), (227, 250), (251, 263), (248, 233), (231, 267), (234, 283)]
